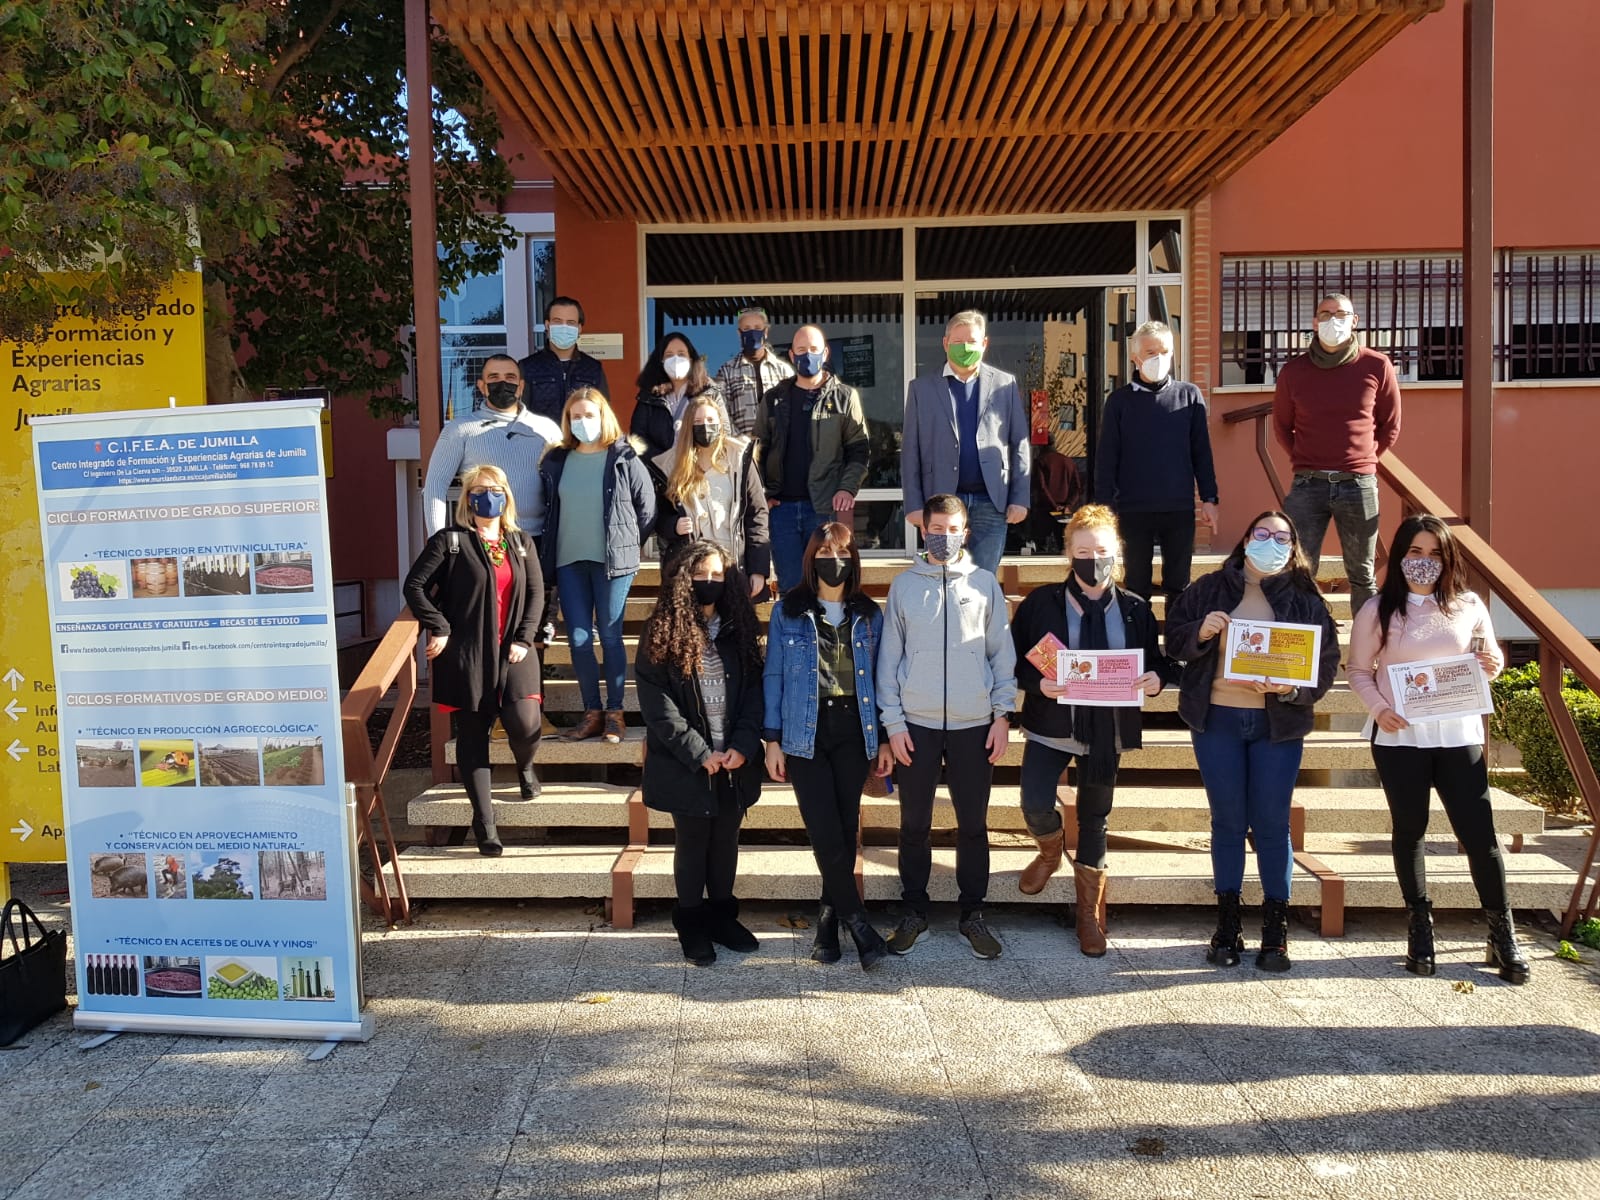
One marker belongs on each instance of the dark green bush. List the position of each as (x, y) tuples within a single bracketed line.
[(1520, 719)]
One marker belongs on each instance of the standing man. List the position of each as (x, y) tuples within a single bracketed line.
[(554, 373), (946, 685), (1155, 449), (751, 373), (814, 449), (1336, 411), (967, 433)]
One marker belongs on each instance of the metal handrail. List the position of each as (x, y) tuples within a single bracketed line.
[(392, 665), (1562, 646)]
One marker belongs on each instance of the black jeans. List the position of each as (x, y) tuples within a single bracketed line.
[(828, 788), (522, 721), (1141, 532), (1042, 768), (1461, 776), (705, 854), (968, 774)]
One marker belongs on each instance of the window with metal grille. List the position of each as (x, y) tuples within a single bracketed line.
[(1546, 313)]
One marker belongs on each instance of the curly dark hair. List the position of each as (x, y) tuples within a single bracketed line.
[(674, 634)]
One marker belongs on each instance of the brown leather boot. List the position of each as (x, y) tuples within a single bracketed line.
[(615, 725), (593, 722), (1091, 886), (1037, 873)]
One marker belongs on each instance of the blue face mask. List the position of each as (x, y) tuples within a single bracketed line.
[(487, 504), (808, 363), (1267, 557), (563, 337), (751, 340)]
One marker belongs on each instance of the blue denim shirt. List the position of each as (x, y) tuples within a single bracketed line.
[(790, 679)]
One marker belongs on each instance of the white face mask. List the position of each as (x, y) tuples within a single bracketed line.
[(1156, 368), (586, 429), (677, 366), (1334, 332)]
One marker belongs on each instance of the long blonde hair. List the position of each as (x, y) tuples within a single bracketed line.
[(485, 472), (1089, 519), (688, 477)]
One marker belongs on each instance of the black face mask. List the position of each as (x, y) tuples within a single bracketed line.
[(704, 435), (1093, 572), (833, 572), (503, 393), (707, 591)]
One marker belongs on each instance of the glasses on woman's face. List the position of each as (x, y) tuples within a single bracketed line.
[(484, 491), (1282, 536)]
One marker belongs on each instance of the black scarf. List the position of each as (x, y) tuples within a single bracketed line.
[(1095, 727)]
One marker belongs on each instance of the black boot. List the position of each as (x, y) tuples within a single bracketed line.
[(870, 945), (722, 923), (528, 783), (1503, 951), (825, 946), (692, 936), (1274, 953), (1227, 943), (481, 797), (1419, 941)]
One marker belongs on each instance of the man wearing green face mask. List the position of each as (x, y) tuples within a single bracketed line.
[(966, 434)]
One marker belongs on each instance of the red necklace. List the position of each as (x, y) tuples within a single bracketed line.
[(495, 550)]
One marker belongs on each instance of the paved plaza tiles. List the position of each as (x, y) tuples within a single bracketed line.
[(532, 1052)]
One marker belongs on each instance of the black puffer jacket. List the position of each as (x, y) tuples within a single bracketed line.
[(677, 735), (1288, 717), (452, 594)]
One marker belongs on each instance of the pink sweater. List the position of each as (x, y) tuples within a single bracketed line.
[(1424, 632)]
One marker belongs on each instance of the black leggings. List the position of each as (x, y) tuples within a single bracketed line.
[(967, 774), (705, 854), (522, 720), (1461, 777), (828, 787), (1042, 768)]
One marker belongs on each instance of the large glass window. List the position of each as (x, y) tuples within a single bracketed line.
[(1027, 251), (497, 313)]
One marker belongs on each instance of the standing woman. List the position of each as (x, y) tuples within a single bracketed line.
[(673, 375), (599, 505), (1423, 611), (478, 591), (821, 726), (714, 491), (1248, 737), (699, 679), (1087, 612)]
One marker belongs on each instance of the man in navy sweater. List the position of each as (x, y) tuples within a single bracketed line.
[(1155, 449)]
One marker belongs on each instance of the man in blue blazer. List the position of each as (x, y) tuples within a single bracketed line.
[(966, 434)]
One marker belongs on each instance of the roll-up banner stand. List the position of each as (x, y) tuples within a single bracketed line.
[(210, 842)]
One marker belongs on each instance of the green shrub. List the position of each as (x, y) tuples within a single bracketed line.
[(1521, 719)]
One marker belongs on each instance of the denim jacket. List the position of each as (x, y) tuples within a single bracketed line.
[(790, 680)]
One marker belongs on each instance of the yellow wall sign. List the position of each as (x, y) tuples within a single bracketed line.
[(153, 353)]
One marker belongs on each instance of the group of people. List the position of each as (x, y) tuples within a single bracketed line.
[(754, 474)]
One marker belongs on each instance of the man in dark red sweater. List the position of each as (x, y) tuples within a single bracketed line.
[(1337, 411)]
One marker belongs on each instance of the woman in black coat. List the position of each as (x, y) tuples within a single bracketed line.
[(1088, 611), (478, 591), (700, 693), (674, 374)]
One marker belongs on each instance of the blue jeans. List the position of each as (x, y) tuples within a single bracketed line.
[(986, 529), (1249, 782), (590, 602), (790, 526), (1352, 504)]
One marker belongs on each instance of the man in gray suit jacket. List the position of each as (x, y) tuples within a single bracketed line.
[(966, 434)]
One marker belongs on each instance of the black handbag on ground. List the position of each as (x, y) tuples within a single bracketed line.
[(33, 980)]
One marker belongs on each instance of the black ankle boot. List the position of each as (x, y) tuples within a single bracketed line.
[(1227, 943), (825, 945), (1419, 941), (692, 936), (1503, 951), (528, 783), (870, 945), (722, 923), (1274, 953), (488, 839)]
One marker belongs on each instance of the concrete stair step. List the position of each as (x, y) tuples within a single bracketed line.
[(552, 749), (524, 873), (567, 805), (1534, 880)]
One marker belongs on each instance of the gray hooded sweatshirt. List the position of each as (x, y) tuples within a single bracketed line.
[(947, 660)]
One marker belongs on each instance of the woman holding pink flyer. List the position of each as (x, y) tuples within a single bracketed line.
[(1422, 614), (1249, 734), (1070, 637)]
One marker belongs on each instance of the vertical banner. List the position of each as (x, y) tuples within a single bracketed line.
[(209, 846), (153, 352)]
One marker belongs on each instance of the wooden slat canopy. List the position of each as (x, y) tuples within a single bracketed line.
[(717, 110)]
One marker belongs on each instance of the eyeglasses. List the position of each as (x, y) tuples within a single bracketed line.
[(484, 491), (1282, 536), (1343, 314)]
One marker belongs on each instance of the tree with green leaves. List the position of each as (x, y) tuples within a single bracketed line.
[(265, 138)]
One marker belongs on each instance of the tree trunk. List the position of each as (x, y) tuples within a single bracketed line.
[(224, 382)]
